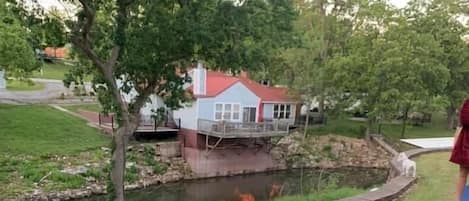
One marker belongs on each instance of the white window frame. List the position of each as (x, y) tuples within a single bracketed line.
[(223, 111), (282, 111)]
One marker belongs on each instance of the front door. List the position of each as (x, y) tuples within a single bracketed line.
[(249, 114)]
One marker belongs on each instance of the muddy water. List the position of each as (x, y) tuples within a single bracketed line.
[(257, 187)]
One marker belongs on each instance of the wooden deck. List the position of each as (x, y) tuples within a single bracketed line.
[(223, 129), (152, 129)]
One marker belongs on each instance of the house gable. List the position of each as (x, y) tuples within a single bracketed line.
[(235, 94)]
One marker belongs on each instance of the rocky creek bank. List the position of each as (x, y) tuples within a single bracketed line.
[(153, 164)]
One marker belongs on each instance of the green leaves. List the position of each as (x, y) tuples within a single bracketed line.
[(16, 54)]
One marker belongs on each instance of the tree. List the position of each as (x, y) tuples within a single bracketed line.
[(322, 29), (440, 19), (53, 30), (388, 66), (16, 54), (148, 44), (418, 74)]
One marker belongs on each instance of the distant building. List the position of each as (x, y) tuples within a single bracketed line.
[(59, 52)]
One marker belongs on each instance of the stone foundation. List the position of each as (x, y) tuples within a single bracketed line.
[(229, 162)]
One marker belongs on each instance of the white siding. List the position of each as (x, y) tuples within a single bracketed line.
[(188, 115), (155, 103), (238, 93)]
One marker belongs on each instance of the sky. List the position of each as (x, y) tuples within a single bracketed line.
[(55, 3)]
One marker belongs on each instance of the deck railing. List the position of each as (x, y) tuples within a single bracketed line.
[(242, 129)]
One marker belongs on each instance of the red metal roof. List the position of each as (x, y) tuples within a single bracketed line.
[(217, 82)]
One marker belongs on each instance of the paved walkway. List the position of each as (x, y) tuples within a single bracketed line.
[(50, 94), (431, 143)]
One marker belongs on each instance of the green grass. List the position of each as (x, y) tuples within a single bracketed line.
[(437, 178), (41, 130), (17, 85), (87, 107), (37, 142), (54, 71), (326, 195), (346, 127)]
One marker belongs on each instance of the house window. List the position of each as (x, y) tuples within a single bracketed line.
[(227, 111), (236, 110), (218, 111), (282, 111)]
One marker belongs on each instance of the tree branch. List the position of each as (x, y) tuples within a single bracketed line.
[(82, 41), (140, 100)]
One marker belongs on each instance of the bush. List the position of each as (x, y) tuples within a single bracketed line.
[(66, 181), (98, 174), (131, 174)]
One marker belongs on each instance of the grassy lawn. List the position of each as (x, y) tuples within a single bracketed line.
[(42, 130), (87, 107), (437, 178), (344, 126), (37, 140), (54, 71), (326, 195), (17, 85)]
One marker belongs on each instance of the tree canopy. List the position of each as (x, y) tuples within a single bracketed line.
[(148, 45), (16, 53)]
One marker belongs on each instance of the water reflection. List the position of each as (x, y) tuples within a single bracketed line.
[(256, 187)]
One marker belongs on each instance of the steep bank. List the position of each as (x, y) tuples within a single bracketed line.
[(148, 164)]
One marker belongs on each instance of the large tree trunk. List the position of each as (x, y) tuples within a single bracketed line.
[(369, 128), (118, 164), (306, 120), (321, 106), (450, 117), (404, 122), (120, 141)]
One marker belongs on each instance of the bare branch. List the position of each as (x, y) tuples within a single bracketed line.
[(114, 56), (141, 99), (83, 42)]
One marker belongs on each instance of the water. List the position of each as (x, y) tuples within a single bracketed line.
[(261, 186)]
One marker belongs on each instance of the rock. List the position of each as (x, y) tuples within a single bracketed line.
[(105, 149), (129, 164), (75, 170), (90, 179)]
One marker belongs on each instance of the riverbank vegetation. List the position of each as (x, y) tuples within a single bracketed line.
[(328, 194)]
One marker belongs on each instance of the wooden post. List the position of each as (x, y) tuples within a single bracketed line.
[(112, 123), (206, 144), (224, 128), (99, 119)]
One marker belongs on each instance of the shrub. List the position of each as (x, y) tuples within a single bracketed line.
[(66, 181), (131, 174)]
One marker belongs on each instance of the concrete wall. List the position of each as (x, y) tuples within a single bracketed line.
[(168, 149), (229, 161)]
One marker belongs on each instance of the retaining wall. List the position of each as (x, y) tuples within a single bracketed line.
[(397, 184)]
